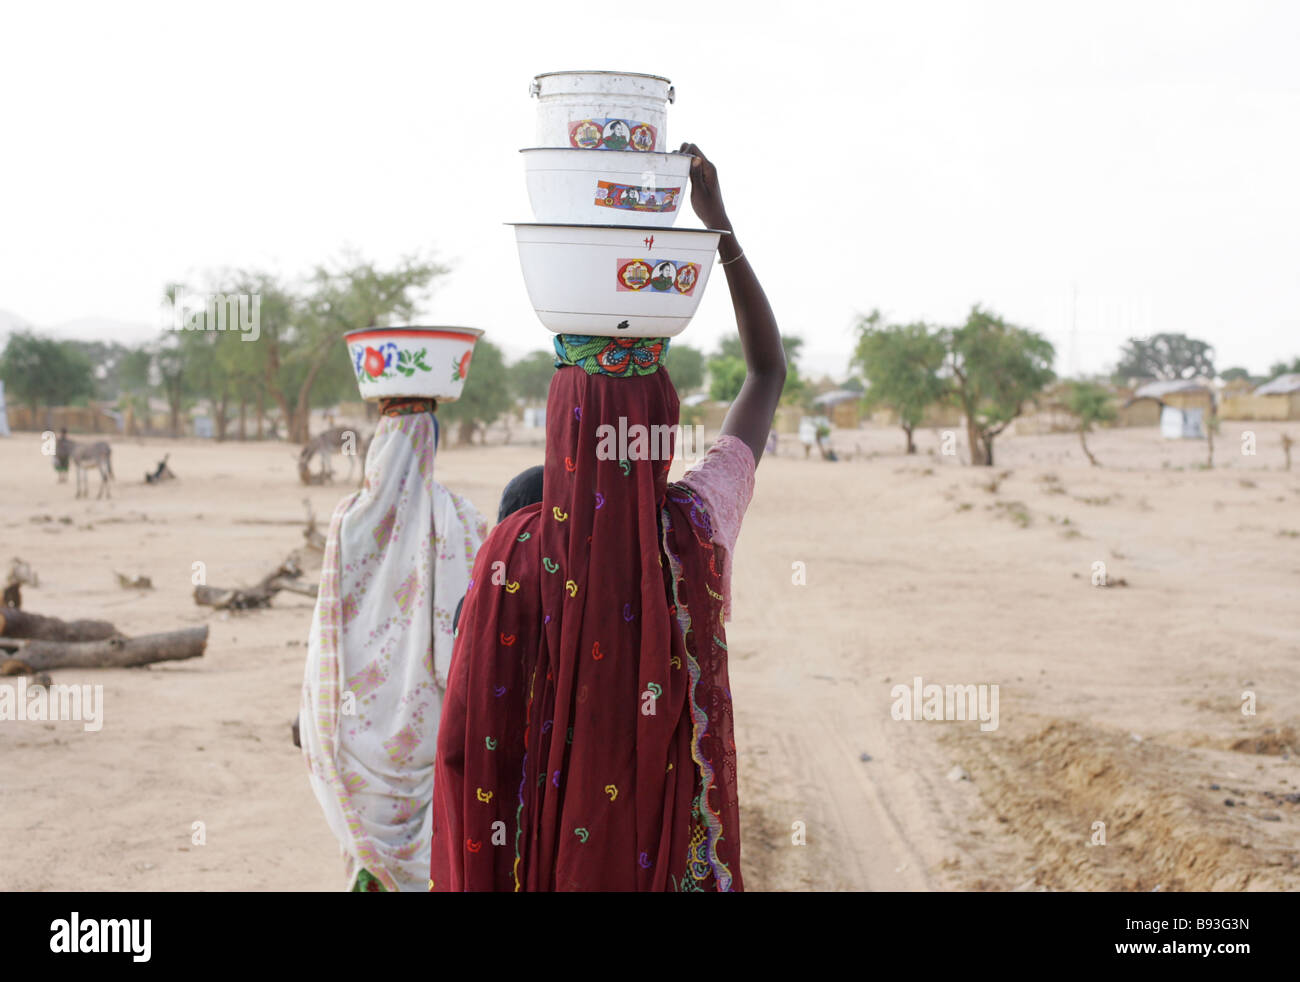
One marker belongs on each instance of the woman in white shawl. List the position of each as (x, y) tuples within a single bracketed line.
[(397, 561)]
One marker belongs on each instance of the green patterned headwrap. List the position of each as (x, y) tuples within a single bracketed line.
[(619, 357)]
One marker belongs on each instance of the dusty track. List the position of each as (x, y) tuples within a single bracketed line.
[(913, 568)]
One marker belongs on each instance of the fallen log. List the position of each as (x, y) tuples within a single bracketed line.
[(211, 596), (162, 473), (13, 667), (140, 582), (284, 578), (112, 653), (15, 623), (296, 586)]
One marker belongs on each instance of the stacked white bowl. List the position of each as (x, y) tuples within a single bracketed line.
[(602, 257)]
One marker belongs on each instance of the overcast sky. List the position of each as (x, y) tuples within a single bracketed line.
[(1131, 167)]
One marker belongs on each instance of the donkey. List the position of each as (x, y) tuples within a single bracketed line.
[(97, 456), (340, 439)]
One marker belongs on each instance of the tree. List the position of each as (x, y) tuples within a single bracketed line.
[(241, 373), (297, 355), (1232, 374), (1091, 404), (486, 394), (1282, 368), (172, 354), (105, 358), (729, 347), (530, 377), (727, 370), (134, 377), (354, 293), (1166, 357), (726, 376), (218, 361), (901, 364), (685, 366), (997, 368), (795, 391), (272, 365), (40, 370)]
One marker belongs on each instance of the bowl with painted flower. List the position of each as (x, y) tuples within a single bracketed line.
[(411, 362)]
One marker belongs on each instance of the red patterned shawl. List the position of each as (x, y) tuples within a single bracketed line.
[(586, 740)]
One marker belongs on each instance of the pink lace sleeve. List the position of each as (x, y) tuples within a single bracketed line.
[(724, 479)]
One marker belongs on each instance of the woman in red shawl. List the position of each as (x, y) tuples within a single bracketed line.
[(586, 739)]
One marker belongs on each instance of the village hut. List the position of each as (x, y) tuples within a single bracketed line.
[(1278, 399), (842, 406), (1185, 406)]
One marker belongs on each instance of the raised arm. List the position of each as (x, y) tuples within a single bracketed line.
[(751, 414)]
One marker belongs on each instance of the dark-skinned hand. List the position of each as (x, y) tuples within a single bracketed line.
[(706, 193)]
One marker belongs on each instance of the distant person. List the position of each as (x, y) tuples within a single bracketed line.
[(807, 435), (397, 558), (823, 443)]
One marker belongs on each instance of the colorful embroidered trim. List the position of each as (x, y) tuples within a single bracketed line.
[(619, 357), (707, 832), (523, 781)]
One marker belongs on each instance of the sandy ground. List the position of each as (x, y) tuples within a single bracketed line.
[(1118, 705)]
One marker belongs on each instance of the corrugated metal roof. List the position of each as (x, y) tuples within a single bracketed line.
[(836, 396), (1158, 390), (1280, 385)]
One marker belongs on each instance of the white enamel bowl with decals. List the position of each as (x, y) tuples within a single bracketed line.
[(423, 362), (615, 281), (602, 110), (621, 187)]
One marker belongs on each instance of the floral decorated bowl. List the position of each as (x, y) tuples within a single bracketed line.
[(425, 362)]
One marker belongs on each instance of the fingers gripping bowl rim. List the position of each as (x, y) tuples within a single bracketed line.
[(424, 362)]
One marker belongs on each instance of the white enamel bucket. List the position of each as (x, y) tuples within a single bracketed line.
[(602, 110), (621, 187), (615, 281)]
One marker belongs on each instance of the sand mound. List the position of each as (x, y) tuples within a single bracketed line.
[(1272, 742), (1167, 823)]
